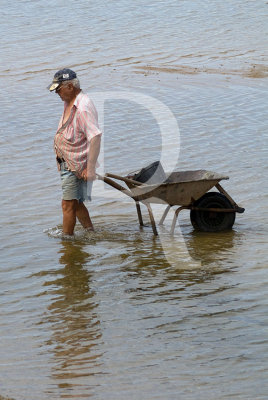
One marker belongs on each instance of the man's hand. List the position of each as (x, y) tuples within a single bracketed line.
[(89, 174)]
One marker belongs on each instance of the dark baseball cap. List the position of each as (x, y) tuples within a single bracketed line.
[(62, 75)]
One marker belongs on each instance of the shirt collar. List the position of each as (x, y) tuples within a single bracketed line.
[(78, 98)]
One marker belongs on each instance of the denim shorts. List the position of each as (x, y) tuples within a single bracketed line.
[(72, 187)]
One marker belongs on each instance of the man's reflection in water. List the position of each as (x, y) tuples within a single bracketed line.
[(73, 319)]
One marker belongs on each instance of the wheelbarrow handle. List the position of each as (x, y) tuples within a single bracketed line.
[(124, 179), (114, 185)]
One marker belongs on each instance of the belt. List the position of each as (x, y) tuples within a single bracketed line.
[(60, 160)]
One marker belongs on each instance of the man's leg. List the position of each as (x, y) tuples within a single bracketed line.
[(69, 208), (83, 216)]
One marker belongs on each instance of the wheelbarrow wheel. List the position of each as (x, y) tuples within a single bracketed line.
[(211, 221)]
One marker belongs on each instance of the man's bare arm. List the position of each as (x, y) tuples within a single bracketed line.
[(94, 151)]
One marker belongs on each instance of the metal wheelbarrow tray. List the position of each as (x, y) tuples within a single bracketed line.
[(209, 211)]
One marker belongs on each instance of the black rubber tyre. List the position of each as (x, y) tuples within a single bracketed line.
[(209, 221)]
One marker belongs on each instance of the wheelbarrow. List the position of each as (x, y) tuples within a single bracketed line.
[(210, 211)]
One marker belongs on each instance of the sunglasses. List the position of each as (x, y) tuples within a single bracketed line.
[(62, 85), (59, 88)]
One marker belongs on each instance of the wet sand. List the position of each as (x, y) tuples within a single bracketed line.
[(255, 71)]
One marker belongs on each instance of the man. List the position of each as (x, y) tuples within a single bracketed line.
[(77, 146)]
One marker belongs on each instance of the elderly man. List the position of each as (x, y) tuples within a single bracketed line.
[(77, 146)]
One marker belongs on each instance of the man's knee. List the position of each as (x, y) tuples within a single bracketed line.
[(69, 206)]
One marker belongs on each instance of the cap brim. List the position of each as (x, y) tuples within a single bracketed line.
[(53, 86)]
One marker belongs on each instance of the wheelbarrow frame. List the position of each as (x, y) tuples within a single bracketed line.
[(146, 199)]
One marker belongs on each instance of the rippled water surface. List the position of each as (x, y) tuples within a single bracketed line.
[(121, 314)]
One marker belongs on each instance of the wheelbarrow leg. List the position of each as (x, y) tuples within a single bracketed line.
[(139, 213), (164, 215), (152, 219), (175, 218), (221, 190)]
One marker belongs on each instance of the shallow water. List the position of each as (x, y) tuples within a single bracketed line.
[(120, 314)]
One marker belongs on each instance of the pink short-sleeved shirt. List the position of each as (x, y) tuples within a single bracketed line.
[(72, 142)]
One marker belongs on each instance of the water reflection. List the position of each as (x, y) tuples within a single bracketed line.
[(149, 276), (213, 249), (73, 319)]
